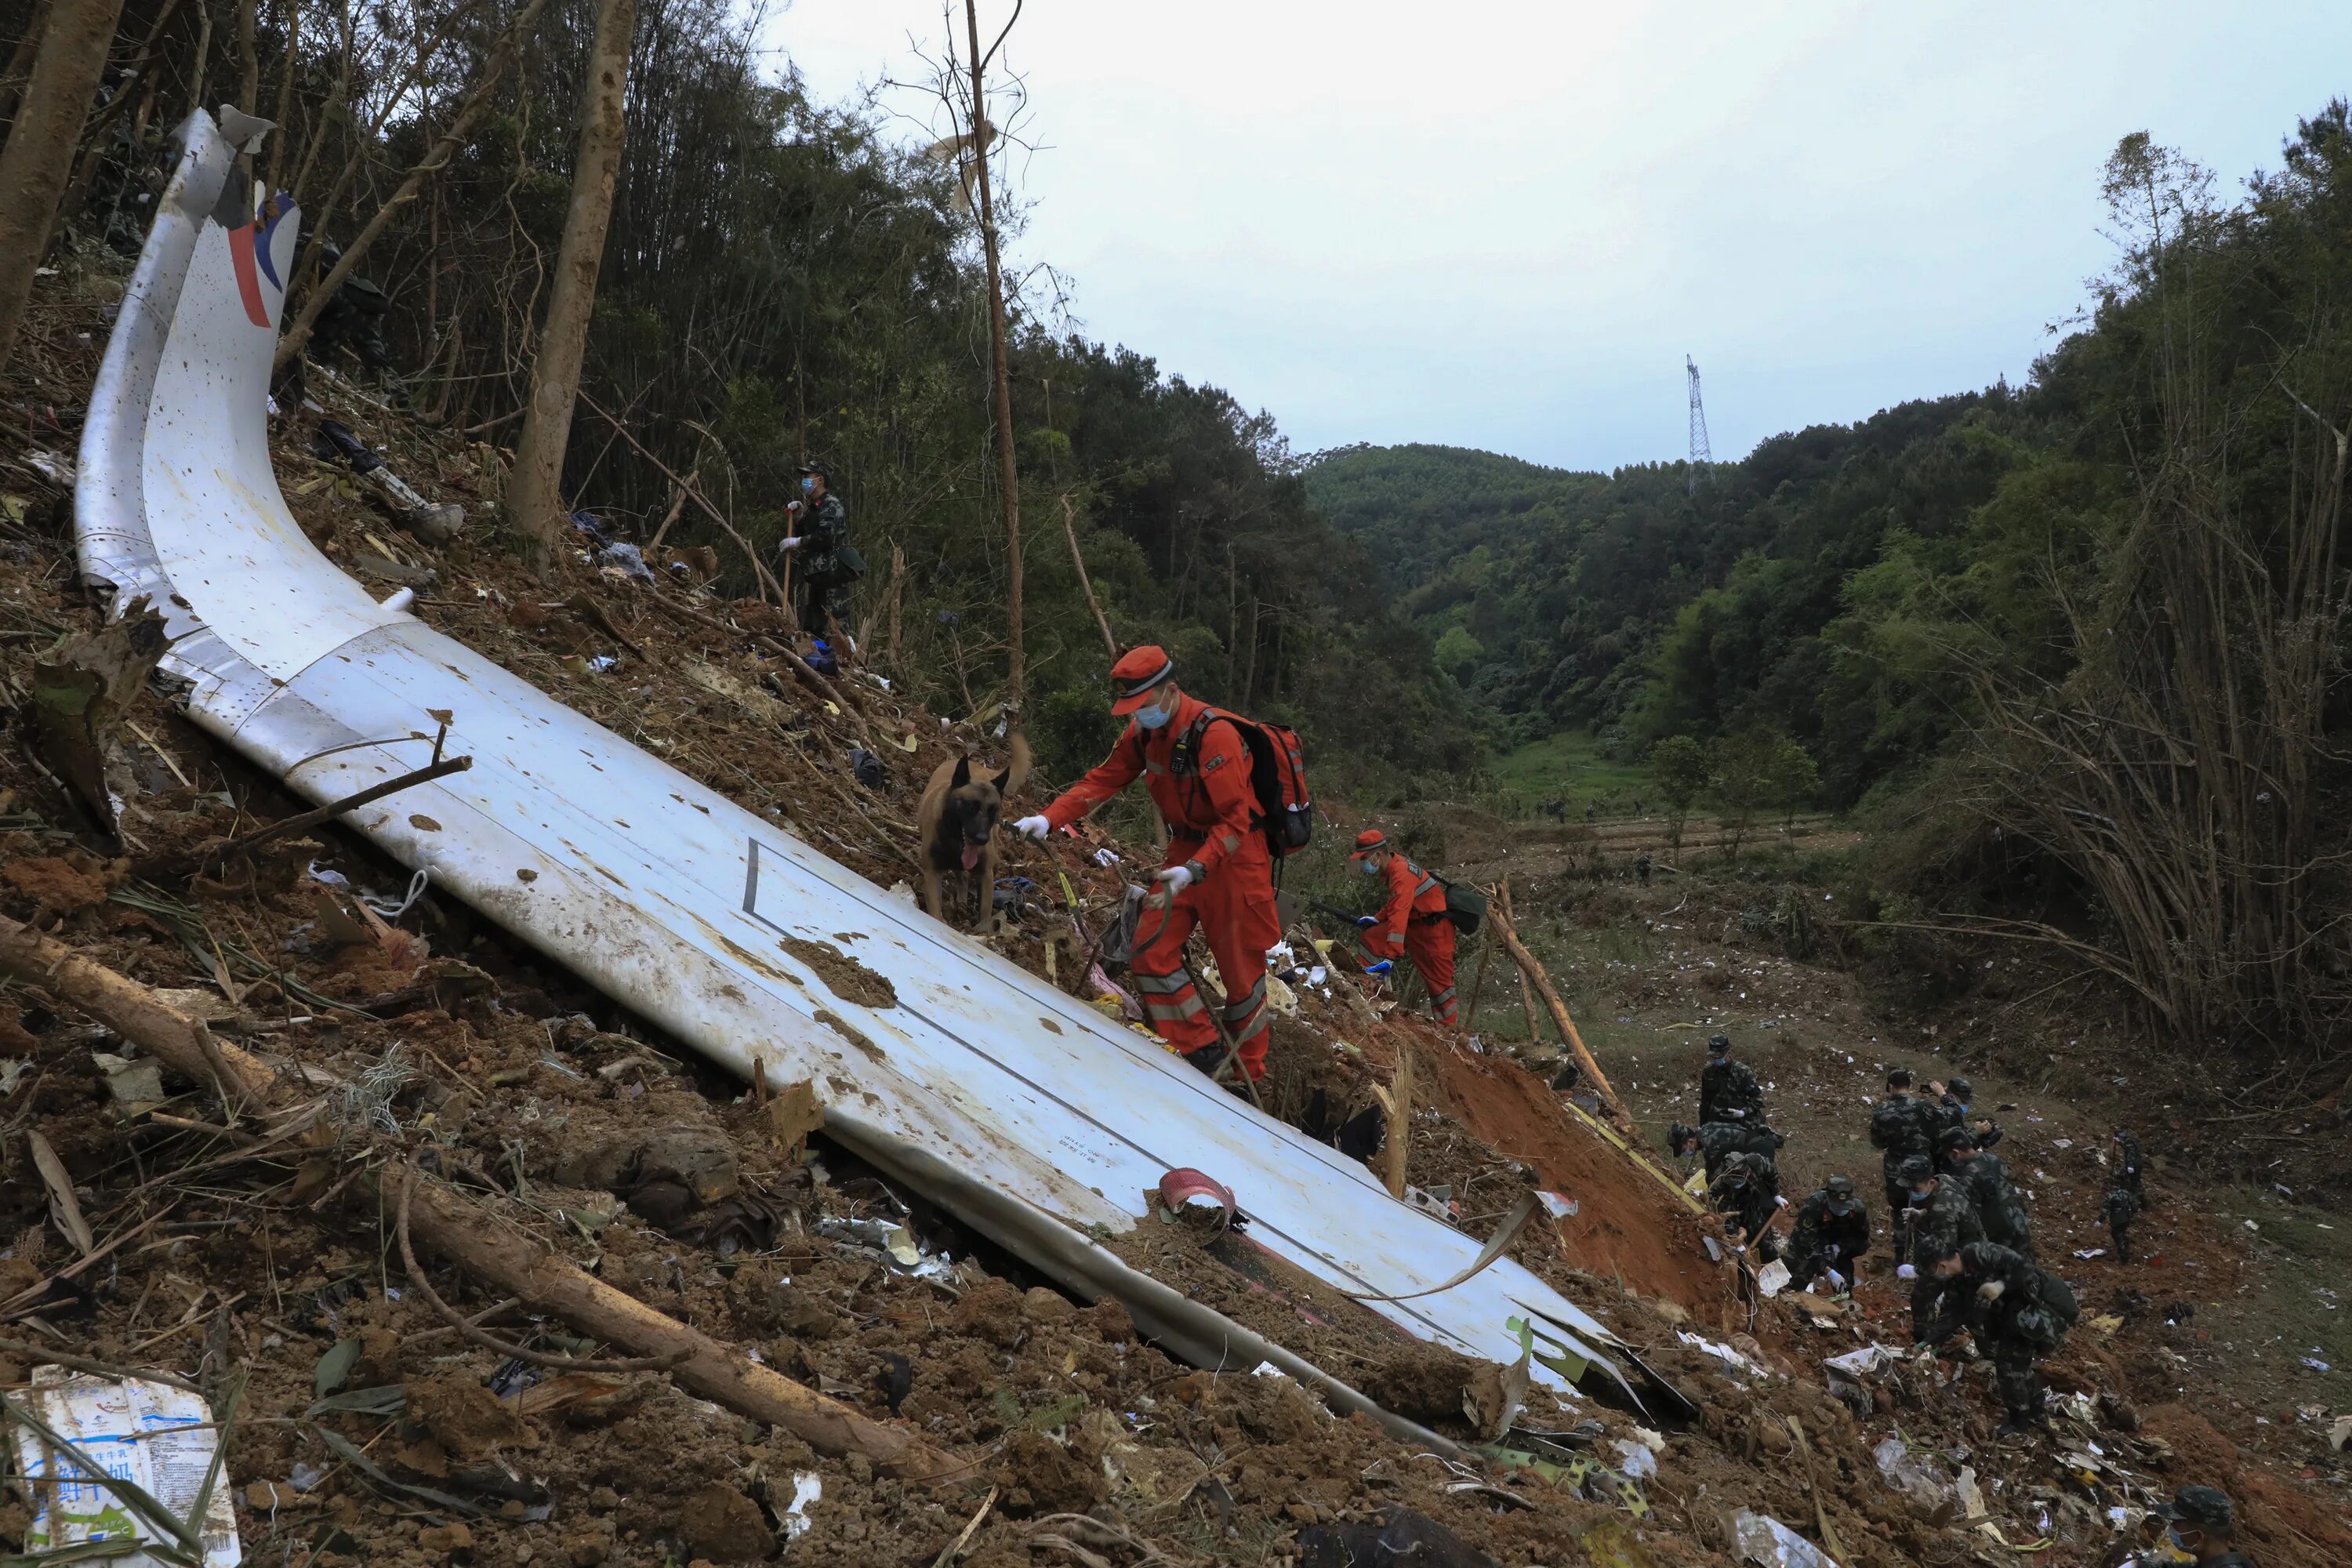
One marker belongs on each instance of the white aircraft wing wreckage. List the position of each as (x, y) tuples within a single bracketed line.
[(1013, 1106)]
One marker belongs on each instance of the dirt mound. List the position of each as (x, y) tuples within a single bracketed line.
[(1629, 1225)]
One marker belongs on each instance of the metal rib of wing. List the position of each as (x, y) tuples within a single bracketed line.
[(667, 896)]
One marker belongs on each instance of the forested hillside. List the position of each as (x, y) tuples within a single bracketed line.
[(781, 281), (2082, 640)]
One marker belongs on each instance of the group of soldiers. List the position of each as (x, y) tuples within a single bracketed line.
[(1962, 1236)]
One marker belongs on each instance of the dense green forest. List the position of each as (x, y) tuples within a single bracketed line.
[(782, 280), (2076, 645), (2079, 643)]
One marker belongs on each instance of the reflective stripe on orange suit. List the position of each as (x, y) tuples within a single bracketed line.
[(1412, 924), (1210, 822)]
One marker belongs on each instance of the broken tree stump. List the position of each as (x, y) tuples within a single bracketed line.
[(470, 1237), (81, 689), (1613, 1108)]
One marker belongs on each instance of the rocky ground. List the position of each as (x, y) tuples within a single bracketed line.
[(373, 1429)]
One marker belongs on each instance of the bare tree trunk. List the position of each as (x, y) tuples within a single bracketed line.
[(478, 98), (20, 60), (38, 157), (535, 495), (1015, 678), (248, 86), (1086, 584)]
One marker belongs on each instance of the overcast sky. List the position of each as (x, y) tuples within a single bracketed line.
[(1503, 224)]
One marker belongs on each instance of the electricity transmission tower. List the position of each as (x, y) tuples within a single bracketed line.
[(1700, 458)]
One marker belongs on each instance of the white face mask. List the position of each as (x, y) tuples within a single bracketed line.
[(1369, 870), (1151, 715)]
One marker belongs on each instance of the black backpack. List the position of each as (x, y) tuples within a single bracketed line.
[(1277, 777), (1465, 907)]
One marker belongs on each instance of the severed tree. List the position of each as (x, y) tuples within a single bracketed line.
[(38, 155), (535, 493)]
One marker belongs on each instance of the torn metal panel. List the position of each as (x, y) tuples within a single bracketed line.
[(670, 898)]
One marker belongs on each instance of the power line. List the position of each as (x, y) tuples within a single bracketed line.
[(1700, 456)]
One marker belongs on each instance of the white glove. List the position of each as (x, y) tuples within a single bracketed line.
[(1779, 1203), (1176, 878), (793, 507), (1034, 826), (1837, 1281), (1907, 1272), (794, 542), (1990, 1290)]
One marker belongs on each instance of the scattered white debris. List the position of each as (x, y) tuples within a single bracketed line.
[(807, 1487), (1772, 1544), (153, 1435)]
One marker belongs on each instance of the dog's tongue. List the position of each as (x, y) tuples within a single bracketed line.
[(971, 856)]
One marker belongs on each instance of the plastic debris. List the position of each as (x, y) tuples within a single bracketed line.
[(1852, 1375), (807, 1487), (628, 560), (132, 1430), (603, 664), (2340, 1434), (1773, 1277), (1905, 1472), (867, 767), (1972, 1502), (1772, 1544), (133, 1085), (1724, 1353), (1636, 1459)]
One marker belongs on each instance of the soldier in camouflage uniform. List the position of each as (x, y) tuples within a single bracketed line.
[(1727, 1090), (1942, 1221), (1745, 1198), (1998, 1207), (827, 564), (2119, 1210), (2128, 1165), (1899, 1128), (2018, 1314), (2203, 1527), (1718, 1140), (1833, 1230)]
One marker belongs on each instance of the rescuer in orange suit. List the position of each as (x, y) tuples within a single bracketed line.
[(1219, 872), (1412, 924)]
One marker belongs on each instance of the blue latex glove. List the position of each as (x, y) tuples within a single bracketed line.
[(1366, 922), (1382, 967)]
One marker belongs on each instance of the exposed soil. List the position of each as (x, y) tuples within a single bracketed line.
[(435, 1038)]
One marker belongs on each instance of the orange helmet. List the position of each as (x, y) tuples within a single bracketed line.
[(1140, 672)]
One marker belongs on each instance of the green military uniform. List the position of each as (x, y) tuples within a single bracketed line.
[(1833, 1230), (1900, 1128), (2128, 1165), (821, 570), (2016, 1324), (1999, 1208), (2119, 1210), (1718, 1140), (1741, 1195), (1940, 1228), (2206, 1513), (1727, 1090)]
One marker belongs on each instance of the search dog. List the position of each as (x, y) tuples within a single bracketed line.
[(957, 822)]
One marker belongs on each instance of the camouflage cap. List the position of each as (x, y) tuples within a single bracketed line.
[(1915, 1168), (1898, 1078), (1952, 1138), (1959, 1088), (1719, 1044), (1839, 1186), (2207, 1507)]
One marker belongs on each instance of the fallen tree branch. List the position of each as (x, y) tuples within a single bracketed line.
[(300, 822), (1619, 1117), (472, 1238)]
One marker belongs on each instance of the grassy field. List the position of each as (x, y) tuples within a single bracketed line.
[(1571, 766)]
